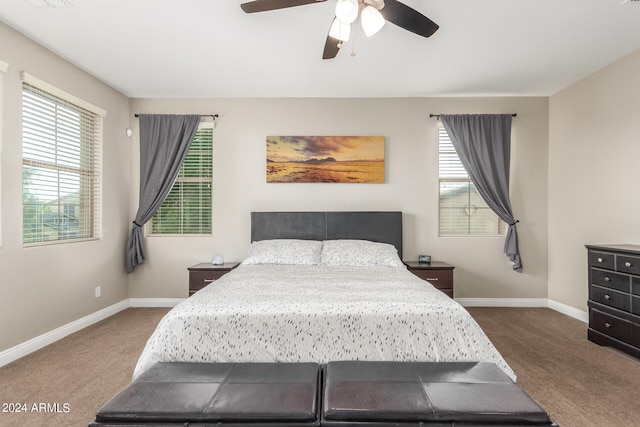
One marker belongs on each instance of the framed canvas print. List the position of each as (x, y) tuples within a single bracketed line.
[(342, 159)]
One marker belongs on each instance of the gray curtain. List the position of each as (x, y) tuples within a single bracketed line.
[(164, 142), (483, 143)]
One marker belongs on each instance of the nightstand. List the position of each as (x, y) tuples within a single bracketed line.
[(439, 274), (200, 275)]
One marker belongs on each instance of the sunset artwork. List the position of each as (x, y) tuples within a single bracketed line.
[(343, 159)]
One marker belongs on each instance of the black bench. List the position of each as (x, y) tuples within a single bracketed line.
[(221, 394), (365, 394), (379, 394)]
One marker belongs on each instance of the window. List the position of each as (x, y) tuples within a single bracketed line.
[(60, 169), (463, 212), (187, 208)]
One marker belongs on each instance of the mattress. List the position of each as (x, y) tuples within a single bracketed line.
[(317, 313)]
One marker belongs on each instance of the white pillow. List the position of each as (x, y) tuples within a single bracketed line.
[(359, 253), (284, 251)]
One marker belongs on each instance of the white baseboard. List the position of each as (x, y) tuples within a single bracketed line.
[(154, 302), (21, 350), (569, 311), (526, 302), (503, 302)]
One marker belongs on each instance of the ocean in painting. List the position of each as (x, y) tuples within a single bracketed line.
[(334, 171), (343, 159)]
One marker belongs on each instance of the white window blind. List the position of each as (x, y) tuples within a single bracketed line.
[(462, 211), (187, 208), (60, 169)]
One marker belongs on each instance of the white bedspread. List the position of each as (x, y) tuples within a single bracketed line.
[(283, 313)]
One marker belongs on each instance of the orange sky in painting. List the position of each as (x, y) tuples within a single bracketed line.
[(341, 148)]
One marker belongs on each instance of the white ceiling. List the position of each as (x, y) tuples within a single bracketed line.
[(210, 48)]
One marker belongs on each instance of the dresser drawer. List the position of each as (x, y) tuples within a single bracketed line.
[(441, 279), (635, 305), (615, 299), (635, 285), (611, 325), (601, 259), (628, 264), (610, 279), (636, 335)]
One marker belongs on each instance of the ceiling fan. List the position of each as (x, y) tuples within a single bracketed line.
[(373, 14)]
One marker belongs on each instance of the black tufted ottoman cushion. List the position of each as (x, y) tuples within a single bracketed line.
[(221, 394), (425, 393)]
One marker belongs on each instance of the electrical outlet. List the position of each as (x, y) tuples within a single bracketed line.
[(98, 291)]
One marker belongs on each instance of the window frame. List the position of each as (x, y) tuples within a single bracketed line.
[(149, 228), (457, 169), (88, 171)]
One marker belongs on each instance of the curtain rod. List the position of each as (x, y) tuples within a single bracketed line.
[(215, 116), (437, 116)]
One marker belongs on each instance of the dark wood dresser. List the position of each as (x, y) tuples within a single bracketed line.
[(439, 274), (205, 273), (614, 296)]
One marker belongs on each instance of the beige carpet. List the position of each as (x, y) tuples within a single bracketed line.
[(83, 370), (579, 383)]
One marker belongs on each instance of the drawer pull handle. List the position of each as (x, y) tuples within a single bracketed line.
[(209, 280), (627, 264), (432, 278), (600, 259), (607, 325), (607, 297), (607, 279)]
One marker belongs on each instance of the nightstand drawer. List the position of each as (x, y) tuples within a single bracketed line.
[(200, 279), (203, 274), (439, 274), (441, 279)]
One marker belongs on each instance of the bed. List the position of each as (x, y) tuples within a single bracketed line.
[(320, 287)]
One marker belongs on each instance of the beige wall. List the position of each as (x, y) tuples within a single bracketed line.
[(594, 148), (46, 287), (411, 185)]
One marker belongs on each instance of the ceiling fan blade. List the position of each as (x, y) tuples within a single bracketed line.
[(264, 5), (331, 46), (408, 18)]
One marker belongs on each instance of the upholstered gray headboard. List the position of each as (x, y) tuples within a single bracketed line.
[(385, 227)]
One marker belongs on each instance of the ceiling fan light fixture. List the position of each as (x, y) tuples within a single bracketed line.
[(372, 20), (347, 11), (373, 15), (340, 31)]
